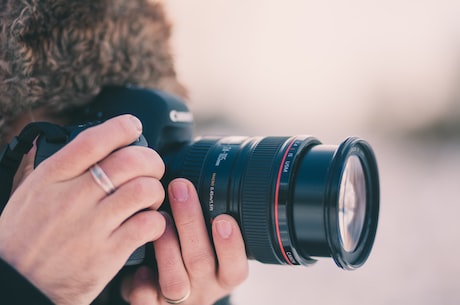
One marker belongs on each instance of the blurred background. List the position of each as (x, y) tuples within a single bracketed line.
[(388, 71)]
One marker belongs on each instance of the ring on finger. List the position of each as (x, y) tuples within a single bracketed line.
[(102, 179), (178, 301)]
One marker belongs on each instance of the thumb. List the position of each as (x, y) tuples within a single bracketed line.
[(25, 168)]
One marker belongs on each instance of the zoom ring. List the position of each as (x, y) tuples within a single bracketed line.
[(257, 200), (193, 160)]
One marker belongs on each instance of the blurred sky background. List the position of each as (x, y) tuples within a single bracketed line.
[(388, 71)]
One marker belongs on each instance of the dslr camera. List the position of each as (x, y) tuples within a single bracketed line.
[(295, 199)]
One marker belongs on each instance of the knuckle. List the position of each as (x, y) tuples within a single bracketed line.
[(134, 233), (49, 166), (141, 159), (140, 188), (169, 264), (123, 126), (143, 225), (200, 263), (90, 140), (149, 190), (234, 279), (129, 156), (158, 193), (157, 162)]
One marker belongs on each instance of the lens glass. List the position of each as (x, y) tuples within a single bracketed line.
[(352, 203)]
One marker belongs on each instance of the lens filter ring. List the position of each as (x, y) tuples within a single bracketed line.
[(350, 241)]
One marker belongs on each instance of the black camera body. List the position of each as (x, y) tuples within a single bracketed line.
[(167, 123), (293, 197)]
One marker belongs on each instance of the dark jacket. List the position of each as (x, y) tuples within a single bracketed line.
[(16, 290)]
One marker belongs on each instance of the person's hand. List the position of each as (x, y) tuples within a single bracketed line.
[(189, 270), (67, 235)]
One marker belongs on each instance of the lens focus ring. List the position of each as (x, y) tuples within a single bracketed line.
[(257, 200)]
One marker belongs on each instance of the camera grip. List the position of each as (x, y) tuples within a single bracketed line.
[(47, 146)]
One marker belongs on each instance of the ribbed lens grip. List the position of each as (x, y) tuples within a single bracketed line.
[(257, 200), (193, 160)]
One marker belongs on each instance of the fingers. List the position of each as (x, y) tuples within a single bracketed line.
[(135, 172), (230, 250), (143, 227), (134, 196), (114, 133), (173, 278), (197, 252), (188, 266), (139, 289), (60, 209), (186, 259), (134, 160), (123, 165)]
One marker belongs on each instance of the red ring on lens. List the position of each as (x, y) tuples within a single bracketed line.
[(277, 225)]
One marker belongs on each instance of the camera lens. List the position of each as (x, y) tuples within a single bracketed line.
[(295, 198), (352, 203)]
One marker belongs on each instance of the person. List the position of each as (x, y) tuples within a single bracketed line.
[(71, 223)]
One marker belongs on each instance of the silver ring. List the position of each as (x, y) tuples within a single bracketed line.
[(102, 179), (178, 301)]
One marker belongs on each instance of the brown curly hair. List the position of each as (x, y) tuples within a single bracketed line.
[(60, 53)]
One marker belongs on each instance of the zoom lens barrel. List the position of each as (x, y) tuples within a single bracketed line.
[(295, 199)]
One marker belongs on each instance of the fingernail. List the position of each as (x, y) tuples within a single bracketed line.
[(179, 191), (137, 123), (224, 228)]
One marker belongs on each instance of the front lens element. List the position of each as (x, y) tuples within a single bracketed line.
[(352, 204)]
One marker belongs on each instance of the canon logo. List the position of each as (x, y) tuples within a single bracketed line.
[(181, 116)]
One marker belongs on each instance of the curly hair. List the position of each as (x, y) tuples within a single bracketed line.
[(59, 54)]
